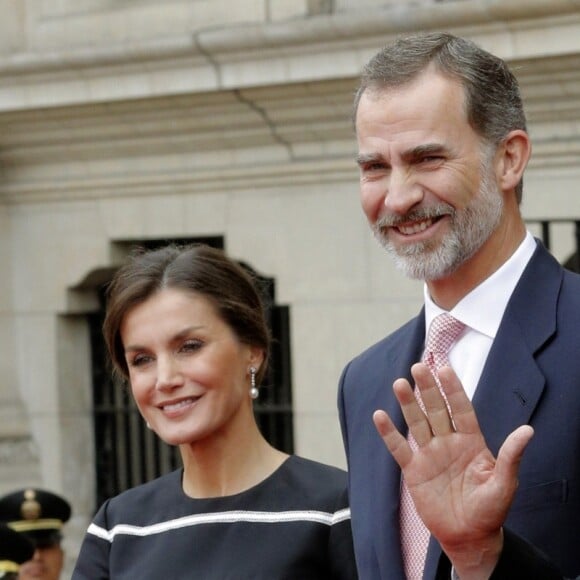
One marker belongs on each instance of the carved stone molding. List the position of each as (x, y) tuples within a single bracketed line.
[(238, 56), (17, 452)]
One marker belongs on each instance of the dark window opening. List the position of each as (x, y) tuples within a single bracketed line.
[(546, 234)]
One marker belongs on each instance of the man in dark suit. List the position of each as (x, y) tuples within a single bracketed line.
[(442, 151)]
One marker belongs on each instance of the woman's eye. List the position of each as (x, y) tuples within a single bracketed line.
[(191, 345), (139, 360)]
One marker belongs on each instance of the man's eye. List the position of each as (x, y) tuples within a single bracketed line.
[(374, 167), (432, 159)]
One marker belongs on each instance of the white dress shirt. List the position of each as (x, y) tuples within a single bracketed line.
[(482, 311)]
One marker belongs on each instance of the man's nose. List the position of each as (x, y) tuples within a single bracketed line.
[(402, 193)]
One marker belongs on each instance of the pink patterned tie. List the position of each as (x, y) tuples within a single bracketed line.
[(443, 332)]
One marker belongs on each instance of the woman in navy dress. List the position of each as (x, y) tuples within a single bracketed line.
[(186, 327)]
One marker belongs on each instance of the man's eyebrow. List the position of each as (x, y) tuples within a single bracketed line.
[(365, 158), (425, 150), (418, 152)]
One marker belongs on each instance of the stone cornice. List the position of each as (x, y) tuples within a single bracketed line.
[(239, 179), (252, 107), (261, 138), (322, 47), (562, 155)]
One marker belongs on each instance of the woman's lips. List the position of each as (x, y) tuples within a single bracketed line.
[(174, 408)]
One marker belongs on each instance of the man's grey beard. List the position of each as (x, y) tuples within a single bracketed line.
[(470, 229)]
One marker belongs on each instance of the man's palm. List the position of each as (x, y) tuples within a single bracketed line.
[(460, 491)]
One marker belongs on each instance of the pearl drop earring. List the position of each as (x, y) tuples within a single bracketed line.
[(253, 389)]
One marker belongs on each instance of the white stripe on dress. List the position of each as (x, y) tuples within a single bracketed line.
[(326, 518)]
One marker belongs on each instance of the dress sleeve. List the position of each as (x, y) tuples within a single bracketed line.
[(340, 545), (93, 559)]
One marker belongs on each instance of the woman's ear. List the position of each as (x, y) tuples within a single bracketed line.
[(256, 357), (512, 158)]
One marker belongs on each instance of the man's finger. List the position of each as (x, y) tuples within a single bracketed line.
[(510, 455), (394, 441), (462, 411), (433, 401), (414, 416)]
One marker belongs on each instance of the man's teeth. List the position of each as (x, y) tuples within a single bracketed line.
[(176, 406), (415, 228)]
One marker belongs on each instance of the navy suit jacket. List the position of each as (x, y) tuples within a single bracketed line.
[(518, 560), (532, 375)]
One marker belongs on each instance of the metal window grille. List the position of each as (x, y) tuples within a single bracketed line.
[(127, 453), (546, 230)]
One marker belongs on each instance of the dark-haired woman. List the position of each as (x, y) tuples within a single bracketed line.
[(186, 327)]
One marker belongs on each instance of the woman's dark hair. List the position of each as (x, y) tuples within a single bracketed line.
[(195, 268)]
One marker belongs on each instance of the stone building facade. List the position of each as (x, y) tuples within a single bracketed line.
[(129, 120)]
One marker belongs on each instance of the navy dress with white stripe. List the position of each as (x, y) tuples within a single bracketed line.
[(295, 525)]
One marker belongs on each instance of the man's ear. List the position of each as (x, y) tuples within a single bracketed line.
[(512, 158)]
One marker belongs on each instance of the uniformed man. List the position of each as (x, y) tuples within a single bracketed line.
[(15, 549), (39, 515)]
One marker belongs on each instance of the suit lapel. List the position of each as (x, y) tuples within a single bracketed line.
[(406, 352), (511, 383), (510, 386)]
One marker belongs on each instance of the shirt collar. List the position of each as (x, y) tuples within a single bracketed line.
[(483, 308)]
